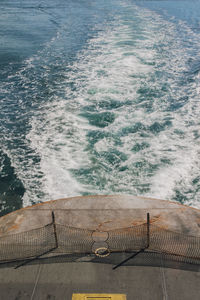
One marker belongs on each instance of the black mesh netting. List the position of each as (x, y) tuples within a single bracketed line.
[(59, 243)]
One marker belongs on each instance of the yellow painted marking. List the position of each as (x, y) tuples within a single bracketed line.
[(98, 297)]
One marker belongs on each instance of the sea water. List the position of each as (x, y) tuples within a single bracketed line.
[(99, 97)]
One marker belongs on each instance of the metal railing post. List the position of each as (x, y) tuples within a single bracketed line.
[(46, 252), (141, 250), (54, 229), (148, 230)]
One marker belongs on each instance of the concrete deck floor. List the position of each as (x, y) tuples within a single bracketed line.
[(61, 280)]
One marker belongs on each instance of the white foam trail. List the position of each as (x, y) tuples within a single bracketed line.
[(137, 51), (61, 140)]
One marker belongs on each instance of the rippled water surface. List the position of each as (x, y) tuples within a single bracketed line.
[(99, 97)]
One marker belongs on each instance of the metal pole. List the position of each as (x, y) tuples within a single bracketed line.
[(148, 230), (54, 229), (48, 251), (141, 250)]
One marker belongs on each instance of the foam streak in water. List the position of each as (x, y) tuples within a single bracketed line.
[(121, 117), (130, 112)]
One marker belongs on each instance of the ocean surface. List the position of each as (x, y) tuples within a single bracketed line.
[(99, 97)]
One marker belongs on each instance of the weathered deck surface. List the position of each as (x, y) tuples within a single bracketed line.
[(60, 281), (104, 213)]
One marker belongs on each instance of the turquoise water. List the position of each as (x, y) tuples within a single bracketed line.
[(99, 97)]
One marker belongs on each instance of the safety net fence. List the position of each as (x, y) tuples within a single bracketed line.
[(146, 244)]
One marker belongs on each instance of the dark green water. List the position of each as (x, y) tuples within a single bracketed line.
[(99, 97)]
